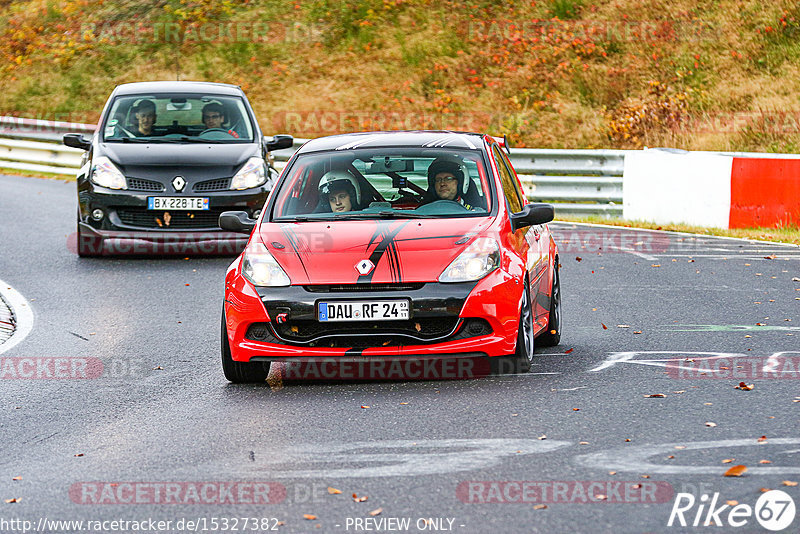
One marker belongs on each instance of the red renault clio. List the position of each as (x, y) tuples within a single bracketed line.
[(392, 245)]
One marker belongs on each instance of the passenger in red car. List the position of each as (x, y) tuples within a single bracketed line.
[(340, 190)]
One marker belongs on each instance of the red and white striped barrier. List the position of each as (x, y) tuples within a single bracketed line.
[(713, 190)]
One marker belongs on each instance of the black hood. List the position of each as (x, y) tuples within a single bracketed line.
[(192, 161)]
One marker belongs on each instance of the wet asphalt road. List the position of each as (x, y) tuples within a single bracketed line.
[(161, 411)]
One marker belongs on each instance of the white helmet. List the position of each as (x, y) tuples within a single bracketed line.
[(341, 179)]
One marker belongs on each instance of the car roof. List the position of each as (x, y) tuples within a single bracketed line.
[(413, 138), (138, 88)]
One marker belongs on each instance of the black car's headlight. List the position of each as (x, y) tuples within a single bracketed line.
[(261, 268), (252, 174), (105, 174), (477, 260)]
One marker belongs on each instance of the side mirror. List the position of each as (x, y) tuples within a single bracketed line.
[(75, 140), (533, 213), (236, 221), (279, 142)]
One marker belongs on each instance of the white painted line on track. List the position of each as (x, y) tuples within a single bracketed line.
[(23, 316), (637, 458)]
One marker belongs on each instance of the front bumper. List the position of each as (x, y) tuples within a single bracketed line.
[(447, 320), (118, 242)]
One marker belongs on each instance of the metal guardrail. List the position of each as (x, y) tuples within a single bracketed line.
[(576, 182)]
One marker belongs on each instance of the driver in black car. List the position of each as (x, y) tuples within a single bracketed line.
[(446, 182), (214, 117)]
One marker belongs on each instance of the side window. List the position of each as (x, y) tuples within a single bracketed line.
[(514, 180), (509, 183)]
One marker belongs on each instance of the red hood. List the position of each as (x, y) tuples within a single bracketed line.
[(402, 251)]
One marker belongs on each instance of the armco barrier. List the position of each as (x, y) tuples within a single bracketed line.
[(714, 189), (576, 182)]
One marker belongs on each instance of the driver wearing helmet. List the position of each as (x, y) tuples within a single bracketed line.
[(339, 192), (446, 182)]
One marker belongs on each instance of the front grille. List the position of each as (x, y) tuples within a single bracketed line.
[(350, 288), (219, 184), (349, 335), (178, 219), (140, 184)]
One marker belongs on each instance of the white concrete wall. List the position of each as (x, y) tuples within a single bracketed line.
[(668, 187)]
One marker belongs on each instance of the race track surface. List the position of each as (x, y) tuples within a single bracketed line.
[(645, 313)]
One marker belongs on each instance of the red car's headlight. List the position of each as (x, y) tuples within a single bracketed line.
[(477, 260), (261, 268)]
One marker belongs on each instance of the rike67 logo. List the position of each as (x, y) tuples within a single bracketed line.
[(774, 510)]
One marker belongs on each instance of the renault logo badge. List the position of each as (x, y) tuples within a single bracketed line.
[(178, 183), (364, 267)]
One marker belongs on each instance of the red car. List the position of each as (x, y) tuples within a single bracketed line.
[(392, 245)]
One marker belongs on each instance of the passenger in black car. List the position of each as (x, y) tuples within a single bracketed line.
[(145, 113)]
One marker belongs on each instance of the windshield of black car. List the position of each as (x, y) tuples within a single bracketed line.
[(380, 183), (178, 118)]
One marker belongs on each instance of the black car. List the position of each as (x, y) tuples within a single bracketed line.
[(167, 159)]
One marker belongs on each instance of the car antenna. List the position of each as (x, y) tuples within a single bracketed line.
[(505, 144)]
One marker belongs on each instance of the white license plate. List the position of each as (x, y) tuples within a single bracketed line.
[(363, 310), (177, 203)]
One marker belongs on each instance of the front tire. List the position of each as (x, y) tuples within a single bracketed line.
[(552, 334), (521, 360), (239, 372)]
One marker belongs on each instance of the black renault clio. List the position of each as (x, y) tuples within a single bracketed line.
[(166, 160)]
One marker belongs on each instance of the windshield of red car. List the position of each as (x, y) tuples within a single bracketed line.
[(380, 183)]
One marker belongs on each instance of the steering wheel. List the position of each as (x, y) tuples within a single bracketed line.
[(209, 130), (434, 206)]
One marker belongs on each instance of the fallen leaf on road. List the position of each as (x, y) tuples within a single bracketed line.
[(600, 497), (623, 326), (680, 447), (15, 499), (731, 503), (711, 424), (576, 409), (637, 331), (78, 455), (736, 471), (17, 478), (310, 517), (764, 462), (359, 499), (568, 351), (604, 326), (762, 439), (656, 265), (334, 491), (612, 472), (671, 457), (158, 368), (645, 476), (364, 406), (770, 257), (728, 460), (679, 391), (764, 490), (539, 506), (403, 403), (578, 258), (654, 396), (627, 440), (583, 443), (376, 511), (790, 483), (744, 387), (543, 436)]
